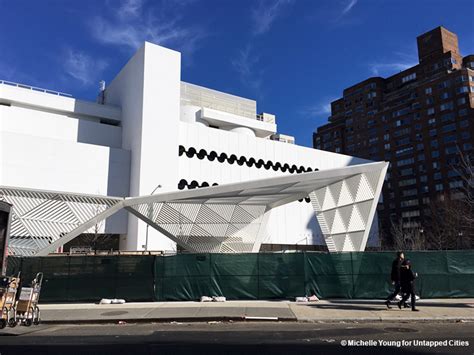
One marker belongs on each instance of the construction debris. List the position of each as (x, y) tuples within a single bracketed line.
[(112, 301)]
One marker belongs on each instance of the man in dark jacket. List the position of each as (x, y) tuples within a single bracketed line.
[(395, 277), (407, 283)]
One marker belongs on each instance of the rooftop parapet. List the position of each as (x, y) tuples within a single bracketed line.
[(203, 97)]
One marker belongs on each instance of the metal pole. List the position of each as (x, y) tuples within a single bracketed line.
[(150, 215)]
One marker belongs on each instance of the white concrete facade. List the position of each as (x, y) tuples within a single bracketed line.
[(153, 129)]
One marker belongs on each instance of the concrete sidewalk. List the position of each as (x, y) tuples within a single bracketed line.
[(321, 311)]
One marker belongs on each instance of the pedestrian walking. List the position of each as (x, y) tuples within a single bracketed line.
[(407, 282), (395, 277)]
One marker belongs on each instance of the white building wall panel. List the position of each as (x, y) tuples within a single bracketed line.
[(49, 164), (37, 123), (289, 224)]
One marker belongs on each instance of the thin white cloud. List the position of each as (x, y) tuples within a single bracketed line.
[(266, 12), (82, 67), (322, 109), (386, 69), (349, 5), (246, 65), (130, 8), (132, 25)]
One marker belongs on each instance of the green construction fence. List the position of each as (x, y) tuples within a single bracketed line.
[(186, 277)]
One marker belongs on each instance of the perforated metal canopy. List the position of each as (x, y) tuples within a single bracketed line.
[(224, 218)]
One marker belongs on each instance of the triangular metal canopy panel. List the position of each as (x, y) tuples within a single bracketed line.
[(224, 218)]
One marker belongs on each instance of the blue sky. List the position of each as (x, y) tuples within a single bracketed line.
[(292, 56)]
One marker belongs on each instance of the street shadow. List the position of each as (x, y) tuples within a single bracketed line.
[(201, 344), (365, 304), (348, 307)]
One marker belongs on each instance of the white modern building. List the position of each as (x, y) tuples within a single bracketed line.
[(152, 133)]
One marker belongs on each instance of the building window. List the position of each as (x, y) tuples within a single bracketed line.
[(402, 132), (437, 176), (447, 117), (462, 89), (434, 143), (405, 162), (453, 173), (461, 101), (429, 101), (423, 178), (456, 184), (465, 135), (464, 124), (433, 132), (405, 172), (409, 203), (439, 187), (435, 165), (409, 214), (467, 146), (421, 157), (461, 79), (435, 154), (403, 141), (404, 151), (449, 139), (462, 112), (452, 160), (444, 84), (407, 182), (401, 112), (449, 128), (430, 111), (428, 91), (432, 121), (445, 95), (446, 106), (408, 78)]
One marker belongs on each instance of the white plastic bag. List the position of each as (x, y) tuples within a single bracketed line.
[(301, 299), (117, 301), (218, 298)]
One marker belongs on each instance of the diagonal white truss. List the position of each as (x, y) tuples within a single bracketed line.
[(227, 218), (40, 218), (205, 227)]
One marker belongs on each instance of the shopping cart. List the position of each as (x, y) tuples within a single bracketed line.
[(8, 291), (27, 311)]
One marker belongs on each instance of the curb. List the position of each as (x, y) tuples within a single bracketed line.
[(379, 319), (261, 319), (171, 320)]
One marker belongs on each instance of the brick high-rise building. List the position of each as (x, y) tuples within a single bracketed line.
[(419, 119)]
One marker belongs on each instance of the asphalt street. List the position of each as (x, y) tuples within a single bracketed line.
[(241, 338)]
